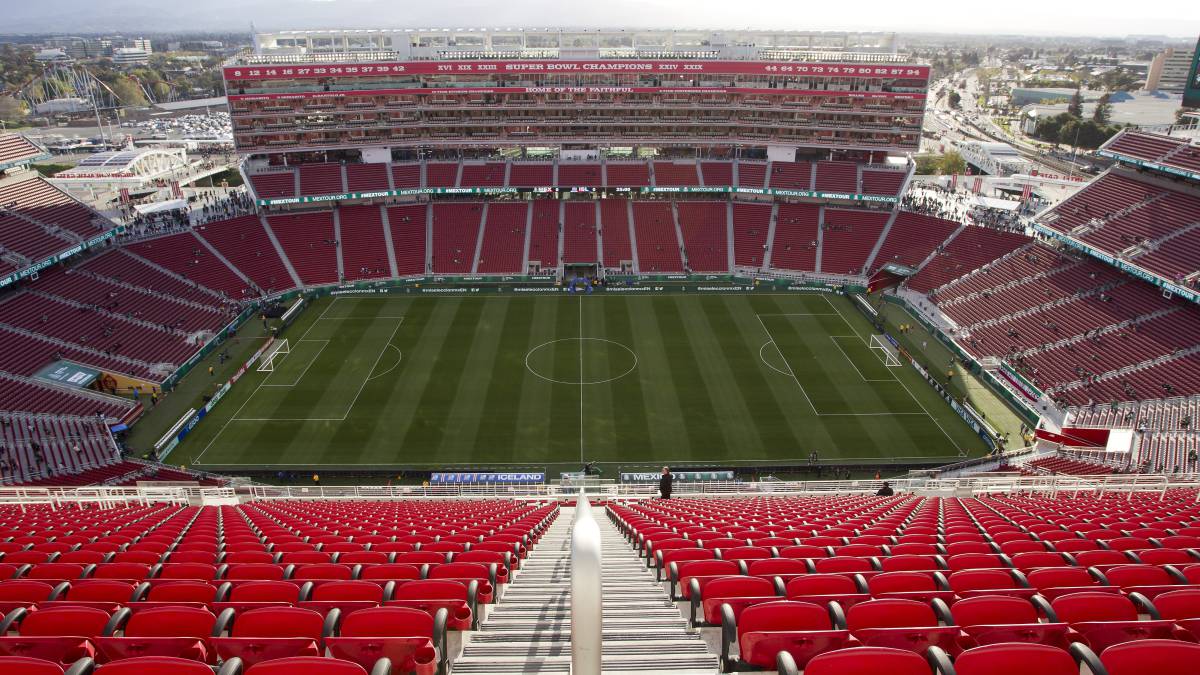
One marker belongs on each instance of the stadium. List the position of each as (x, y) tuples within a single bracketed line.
[(412, 408)]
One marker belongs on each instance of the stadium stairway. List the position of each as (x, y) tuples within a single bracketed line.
[(530, 630)]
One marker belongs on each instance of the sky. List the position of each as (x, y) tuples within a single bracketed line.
[(1176, 18)]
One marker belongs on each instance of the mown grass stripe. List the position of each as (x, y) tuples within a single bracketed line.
[(701, 422), (501, 411), (433, 408), (626, 398), (563, 441)]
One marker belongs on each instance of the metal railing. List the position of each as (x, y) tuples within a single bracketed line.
[(102, 496), (587, 591), (962, 486)]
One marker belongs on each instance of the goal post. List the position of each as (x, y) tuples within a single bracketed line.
[(267, 365), (885, 351)]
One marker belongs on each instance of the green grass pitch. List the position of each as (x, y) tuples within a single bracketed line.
[(397, 381)]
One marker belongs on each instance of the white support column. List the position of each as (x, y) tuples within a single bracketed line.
[(729, 235), (821, 239), (428, 232), (479, 239), (600, 261), (637, 265), (528, 238), (587, 592), (561, 229), (337, 238), (771, 224), (385, 220)]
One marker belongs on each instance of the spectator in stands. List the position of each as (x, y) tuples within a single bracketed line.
[(885, 491), (664, 483)]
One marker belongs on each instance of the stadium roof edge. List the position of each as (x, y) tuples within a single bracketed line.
[(16, 149)]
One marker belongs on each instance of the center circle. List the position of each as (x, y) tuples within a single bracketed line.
[(619, 361)]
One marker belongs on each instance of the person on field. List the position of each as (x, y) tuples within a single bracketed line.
[(664, 483), (885, 491)]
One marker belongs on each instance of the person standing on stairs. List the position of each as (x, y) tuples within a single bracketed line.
[(664, 483)]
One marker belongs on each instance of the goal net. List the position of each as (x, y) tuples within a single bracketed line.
[(267, 365), (885, 351)]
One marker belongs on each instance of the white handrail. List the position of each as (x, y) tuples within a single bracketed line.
[(587, 593)]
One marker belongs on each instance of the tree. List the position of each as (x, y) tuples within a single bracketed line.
[(162, 90), (127, 91), (954, 99), (1103, 112), (928, 165), (11, 110), (1075, 107), (1065, 129), (953, 163), (1070, 132)]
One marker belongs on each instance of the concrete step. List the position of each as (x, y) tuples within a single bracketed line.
[(611, 648), (613, 634), (662, 626), (565, 602), (529, 630), (565, 608), (636, 663)]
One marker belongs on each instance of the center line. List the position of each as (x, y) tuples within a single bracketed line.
[(581, 460)]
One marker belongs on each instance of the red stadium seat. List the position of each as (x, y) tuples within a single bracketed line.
[(1148, 580), (919, 586), (104, 594), (346, 596), (701, 572), (1010, 658), (180, 632), (487, 576), (1106, 619), (1182, 607), (188, 593), (967, 583), (900, 624), (55, 573), (991, 619), (127, 571), (823, 588), (912, 563), (257, 594), (25, 665), (242, 573), (802, 551), (397, 572), (429, 595), (801, 629), (1160, 657), (314, 665), (272, 632), (738, 592), (413, 640), (859, 661), (784, 568), (1052, 582), (61, 634)]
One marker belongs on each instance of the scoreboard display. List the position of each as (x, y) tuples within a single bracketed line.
[(1191, 94)]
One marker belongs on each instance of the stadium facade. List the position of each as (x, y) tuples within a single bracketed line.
[(798, 93)]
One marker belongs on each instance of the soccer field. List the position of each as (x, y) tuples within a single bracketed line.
[(421, 381)]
